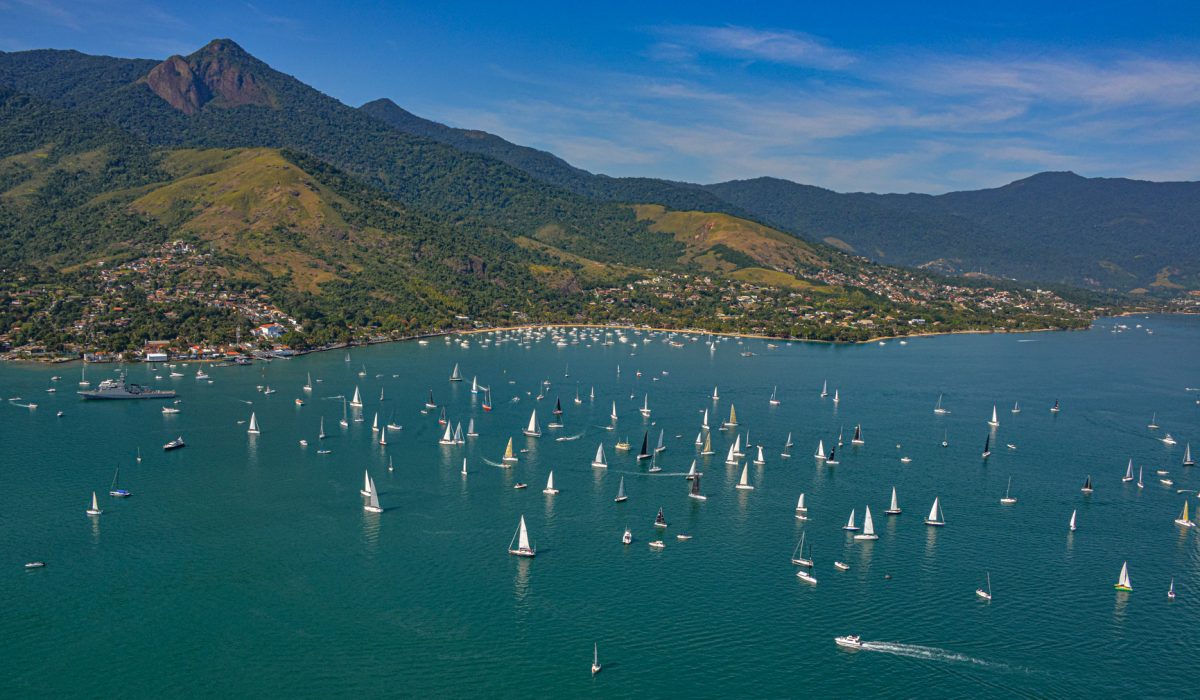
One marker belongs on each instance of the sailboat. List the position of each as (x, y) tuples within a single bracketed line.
[(381, 395), (1183, 517), (744, 483), (613, 415), (442, 418), (1140, 484), (458, 434), (700, 439), (787, 447), (694, 491), (487, 399), (800, 507), (704, 420), (447, 437), (627, 538), (1128, 471), (592, 394), (1087, 484), (557, 406), (253, 429), (308, 384), (1123, 583), (659, 520), (578, 400), (1171, 590), (825, 388), (760, 460), (474, 385), (836, 399), (550, 490), (995, 421), (595, 659), (715, 397), (1016, 407), (987, 446), (708, 448), (621, 497), (372, 504), (1008, 499), (599, 461), (938, 407), (945, 438), (773, 400), (894, 508), (691, 471), (661, 445), (321, 434), (117, 492), (645, 409), (464, 467), (857, 439), (1187, 456), (868, 531), (533, 429), (1072, 524), (345, 421), (1055, 408), (429, 402), (732, 422), (799, 556), (455, 375), (471, 428), (831, 458), (508, 453), (357, 400), (731, 458), (366, 489), (645, 451), (521, 539), (935, 514), (375, 423), (985, 594), (850, 523), (1153, 424), (820, 453), (95, 509)]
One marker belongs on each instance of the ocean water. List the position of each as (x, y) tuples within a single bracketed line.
[(246, 565)]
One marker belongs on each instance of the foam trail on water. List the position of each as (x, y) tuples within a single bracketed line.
[(929, 653), (569, 438)]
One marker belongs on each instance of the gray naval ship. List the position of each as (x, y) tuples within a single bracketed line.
[(121, 389)]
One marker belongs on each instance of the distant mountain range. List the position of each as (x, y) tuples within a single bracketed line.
[(375, 220)]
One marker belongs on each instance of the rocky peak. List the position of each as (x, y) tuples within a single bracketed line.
[(221, 74)]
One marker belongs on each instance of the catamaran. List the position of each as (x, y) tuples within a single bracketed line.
[(938, 406), (1128, 471), (455, 375), (521, 539), (935, 514), (857, 439), (800, 557), (1008, 499), (1123, 583), (645, 409), (986, 594), (868, 531), (508, 453), (533, 429), (820, 453), (894, 508), (995, 421), (357, 400), (621, 497), (550, 490), (117, 492), (95, 509), (372, 504), (1183, 517), (850, 523), (1072, 523), (599, 461), (744, 482), (773, 400)]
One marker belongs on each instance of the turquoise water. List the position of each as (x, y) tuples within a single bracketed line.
[(246, 565)]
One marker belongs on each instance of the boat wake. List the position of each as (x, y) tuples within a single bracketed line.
[(928, 653), (568, 438), (494, 464)]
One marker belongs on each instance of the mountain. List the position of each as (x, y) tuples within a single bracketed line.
[(189, 197)]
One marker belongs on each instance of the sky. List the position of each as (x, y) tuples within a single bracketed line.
[(860, 96)]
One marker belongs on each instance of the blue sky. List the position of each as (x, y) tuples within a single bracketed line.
[(862, 97)]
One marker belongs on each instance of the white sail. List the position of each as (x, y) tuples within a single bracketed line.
[(692, 470), (373, 499), (995, 421), (1123, 581), (550, 483), (1073, 520), (464, 468), (474, 385), (253, 429), (455, 375), (533, 430), (599, 460), (375, 423), (836, 398), (321, 434), (357, 400), (894, 507), (704, 421), (820, 454), (366, 489), (448, 436), (935, 512), (731, 458), (850, 523), (471, 428), (715, 396), (868, 524), (621, 490), (760, 459), (523, 536), (744, 482), (613, 415), (788, 444), (800, 504)]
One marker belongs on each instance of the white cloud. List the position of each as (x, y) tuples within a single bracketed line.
[(777, 46)]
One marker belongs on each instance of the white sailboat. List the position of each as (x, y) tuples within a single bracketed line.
[(858, 438), (800, 557), (800, 507), (357, 400), (760, 460), (868, 531), (464, 467), (744, 482), (1123, 583), (787, 447), (345, 421), (455, 375), (850, 523), (1128, 471), (521, 539), (820, 453), (1072, 523), (321, 434), (1140, 484), (471, 429), (1187, 456), (985, 594), (550, 490), (935, 514), (613, 415), (595, 659), (375, 423), (1008, 499), (366, 489), (715, 397), (773, 400), (599, 461), (825, 388), (1016, 407), (894, 508), (474, 385), (645, 409), (836, 399), (448, 436), (731, 457), (533, 429), (372, 504), (253, 429), (691, 471), (95, 509), (704, 420), (621, 497), (1171, 590), (938, 407), (308, 385), (995, 421), (1153, 424)]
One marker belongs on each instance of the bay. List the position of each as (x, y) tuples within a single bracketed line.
[(246, 565)]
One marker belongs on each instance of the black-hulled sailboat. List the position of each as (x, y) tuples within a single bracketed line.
[(645, 451)]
